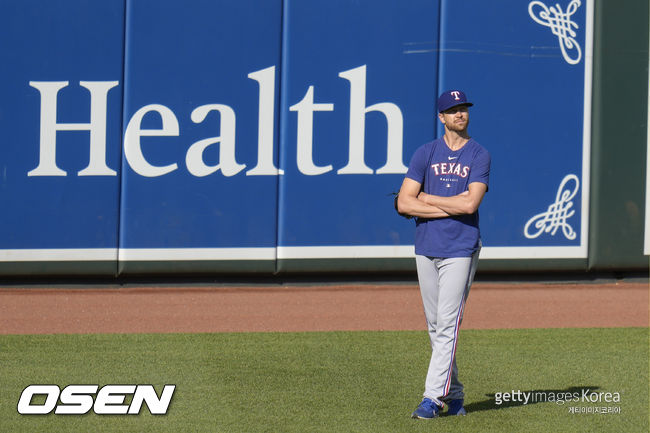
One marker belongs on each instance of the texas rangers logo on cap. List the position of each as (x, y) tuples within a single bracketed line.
[(452, 98)]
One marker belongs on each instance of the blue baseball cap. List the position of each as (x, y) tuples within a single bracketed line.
[(452, 98)]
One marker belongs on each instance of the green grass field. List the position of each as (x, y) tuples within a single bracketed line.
[(334, 382)]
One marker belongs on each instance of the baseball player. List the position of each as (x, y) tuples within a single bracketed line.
[(443, 188)]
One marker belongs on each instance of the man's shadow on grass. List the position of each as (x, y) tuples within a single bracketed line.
[(534, 397)]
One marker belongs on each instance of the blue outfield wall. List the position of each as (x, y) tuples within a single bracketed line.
[(158, 136), (199, 176), (60, 188)]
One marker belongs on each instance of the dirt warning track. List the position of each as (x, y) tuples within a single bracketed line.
[(312, 308)]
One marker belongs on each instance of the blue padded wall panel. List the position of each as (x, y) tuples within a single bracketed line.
[(61, 78), (197, 72), (528, 86), (358, 89)]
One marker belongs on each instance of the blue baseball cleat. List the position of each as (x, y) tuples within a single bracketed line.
[(426, 410), (456, 407)]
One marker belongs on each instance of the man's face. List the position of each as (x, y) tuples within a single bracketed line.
[(456, 118)]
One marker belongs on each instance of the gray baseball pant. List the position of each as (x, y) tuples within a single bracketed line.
[(444, 285)]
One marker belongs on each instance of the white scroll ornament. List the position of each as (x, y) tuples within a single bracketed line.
[(561, 25), (557, 214)]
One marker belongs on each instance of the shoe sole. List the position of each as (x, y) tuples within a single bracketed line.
[(414, 416)]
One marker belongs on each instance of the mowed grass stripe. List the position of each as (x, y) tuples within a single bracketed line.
[(334, 381)]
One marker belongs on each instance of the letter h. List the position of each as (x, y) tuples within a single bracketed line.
[(49, 126), (358, 111)]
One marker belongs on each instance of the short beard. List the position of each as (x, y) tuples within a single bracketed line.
[(454, 128)]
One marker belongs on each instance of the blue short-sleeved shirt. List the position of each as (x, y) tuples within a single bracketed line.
[(447, 173)]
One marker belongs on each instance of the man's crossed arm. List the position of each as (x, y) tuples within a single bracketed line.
[(412, 201)]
